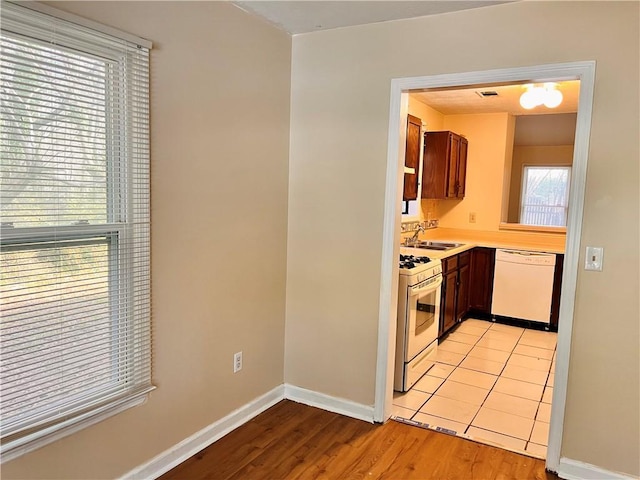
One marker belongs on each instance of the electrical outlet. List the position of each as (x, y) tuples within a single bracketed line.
[(593, 259), (472, 217), (237, 362)]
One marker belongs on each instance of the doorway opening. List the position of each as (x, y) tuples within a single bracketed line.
[(400, 89)]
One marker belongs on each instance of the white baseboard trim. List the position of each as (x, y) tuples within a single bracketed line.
[(180, 452), (575, 470), (329, 403)]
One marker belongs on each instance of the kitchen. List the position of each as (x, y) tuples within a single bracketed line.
[(491, 382), (332, 171)]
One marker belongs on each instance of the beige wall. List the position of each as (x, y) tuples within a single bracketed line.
[(220, 128), (508, 168), (546, 129), (340, 119), (433, 119), (487, 136), (220, 84), (533, 155)]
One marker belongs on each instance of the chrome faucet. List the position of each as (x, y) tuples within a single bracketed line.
[(414, 238)]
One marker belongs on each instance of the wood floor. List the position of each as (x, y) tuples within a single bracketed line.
[(294, 441)]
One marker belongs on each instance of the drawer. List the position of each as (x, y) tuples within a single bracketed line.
[(449, 264), (464, 258)]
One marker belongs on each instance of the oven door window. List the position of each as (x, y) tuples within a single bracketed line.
[(425, 312), (422, 319)]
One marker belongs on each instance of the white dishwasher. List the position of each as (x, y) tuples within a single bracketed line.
[(523, 285)]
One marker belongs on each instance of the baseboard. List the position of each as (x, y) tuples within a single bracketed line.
[(575, 470), (180, 452), (329, 403), (568, 469)]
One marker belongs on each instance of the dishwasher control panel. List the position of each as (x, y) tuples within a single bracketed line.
[(525, 257)]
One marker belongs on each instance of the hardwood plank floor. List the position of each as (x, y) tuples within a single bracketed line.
[(294, 441)]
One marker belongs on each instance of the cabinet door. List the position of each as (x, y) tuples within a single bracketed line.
[(412, 158), (481, 279), (448, 306), (435, 165), (462, 300), (452, 174), (462, 167)]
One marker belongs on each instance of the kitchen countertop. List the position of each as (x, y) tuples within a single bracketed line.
[(536, 242), (439, 254)]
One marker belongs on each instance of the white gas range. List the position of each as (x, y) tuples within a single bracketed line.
[(418, 318)]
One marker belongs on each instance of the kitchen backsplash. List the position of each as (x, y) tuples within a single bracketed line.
[(410, 227)]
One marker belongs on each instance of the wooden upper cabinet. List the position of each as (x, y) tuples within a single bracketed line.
[(444, 172), (462, 167), (412, 158), (452, 166)]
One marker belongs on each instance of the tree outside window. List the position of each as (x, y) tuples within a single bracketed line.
[(545, 196)]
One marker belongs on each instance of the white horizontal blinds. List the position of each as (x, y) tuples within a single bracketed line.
[(54, 136), (74, 244), (545, 195)]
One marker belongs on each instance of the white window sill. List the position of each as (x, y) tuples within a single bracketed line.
[(532, 228), (41, 438)]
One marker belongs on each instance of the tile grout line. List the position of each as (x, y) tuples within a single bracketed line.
[(528, 440), (491, 390), (444, 380), (535, 418), (458, 365)]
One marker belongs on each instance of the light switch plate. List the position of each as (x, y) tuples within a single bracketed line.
[(593, 259)]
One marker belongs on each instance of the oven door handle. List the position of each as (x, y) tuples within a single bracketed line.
[(427, 288)]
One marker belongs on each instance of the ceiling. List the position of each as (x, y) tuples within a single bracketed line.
[(306, 16), (468, 101)]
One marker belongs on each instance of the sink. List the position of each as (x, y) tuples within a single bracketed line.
[(429, 245)]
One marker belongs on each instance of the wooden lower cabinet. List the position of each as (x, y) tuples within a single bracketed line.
[(555, 299), (462, 304), (467, 287), (454, 302), (481, 280), (448, 302)]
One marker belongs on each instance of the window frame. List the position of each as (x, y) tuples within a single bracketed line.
[(123, 217), (523, 194)]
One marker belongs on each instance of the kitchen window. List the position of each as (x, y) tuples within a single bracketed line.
[(74, 239), (545, 195), (410, 209)]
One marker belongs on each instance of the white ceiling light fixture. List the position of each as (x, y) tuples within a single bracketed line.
[(547, 95)]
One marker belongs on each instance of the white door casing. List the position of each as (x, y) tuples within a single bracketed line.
[(400, 88)]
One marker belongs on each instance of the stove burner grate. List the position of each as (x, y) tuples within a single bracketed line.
[(410, 261)]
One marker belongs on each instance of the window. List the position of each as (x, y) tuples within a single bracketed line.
[(410, 209), (545, 196), (74, 239)]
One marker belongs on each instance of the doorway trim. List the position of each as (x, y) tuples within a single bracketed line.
[(400, 88)]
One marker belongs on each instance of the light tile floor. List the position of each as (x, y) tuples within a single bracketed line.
[(492, 383)]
